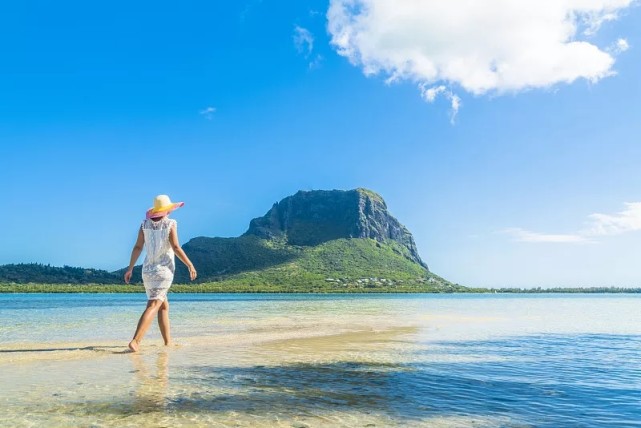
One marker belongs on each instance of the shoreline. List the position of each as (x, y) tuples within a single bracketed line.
[(213, 288)]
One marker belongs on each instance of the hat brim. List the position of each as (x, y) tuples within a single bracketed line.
[(163, 211)]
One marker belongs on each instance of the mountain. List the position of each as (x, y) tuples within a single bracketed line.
[(314, 238), (313, 217), (310, 241)]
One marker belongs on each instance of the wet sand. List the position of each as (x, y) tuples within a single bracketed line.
[(287, 372), (283, 378)]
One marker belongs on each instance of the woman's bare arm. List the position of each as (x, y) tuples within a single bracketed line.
[(135, 253), (173, 240)]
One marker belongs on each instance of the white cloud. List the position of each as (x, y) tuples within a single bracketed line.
[(430, 94), (208, 112), (315, 62), (523, 235), (620, 46), (303, 40), (304, 43), (597, 225), (494, 46), (593, 20), (628, 220)]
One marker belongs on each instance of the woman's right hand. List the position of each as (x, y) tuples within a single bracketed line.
[(128, 275)]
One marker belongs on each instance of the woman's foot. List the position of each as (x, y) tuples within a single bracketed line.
[(133, 345)]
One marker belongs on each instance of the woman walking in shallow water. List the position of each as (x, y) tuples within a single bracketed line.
[(158, 235)]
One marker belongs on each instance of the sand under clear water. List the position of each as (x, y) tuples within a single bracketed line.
[(300, 360)]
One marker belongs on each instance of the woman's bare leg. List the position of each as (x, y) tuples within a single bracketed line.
[(163, 322), (144, 322)]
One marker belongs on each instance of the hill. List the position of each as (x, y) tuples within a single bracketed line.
[(23, 273), (311, 241), (315, 239)]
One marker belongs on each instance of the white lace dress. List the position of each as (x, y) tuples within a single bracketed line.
[(159, 265)]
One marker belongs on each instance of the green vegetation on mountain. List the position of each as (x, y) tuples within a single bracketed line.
[(353, 263)]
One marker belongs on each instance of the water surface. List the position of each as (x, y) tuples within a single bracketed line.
[(323, 360)]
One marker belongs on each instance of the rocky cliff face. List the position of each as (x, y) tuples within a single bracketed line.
[(313, 217)]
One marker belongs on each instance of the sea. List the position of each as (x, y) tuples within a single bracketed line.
[(329, 360)]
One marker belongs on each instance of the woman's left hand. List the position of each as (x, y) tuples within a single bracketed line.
[(128, 276)]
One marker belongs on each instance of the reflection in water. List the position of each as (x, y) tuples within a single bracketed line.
[(150, 392)]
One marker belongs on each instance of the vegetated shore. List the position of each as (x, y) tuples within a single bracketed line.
[(223, 287)]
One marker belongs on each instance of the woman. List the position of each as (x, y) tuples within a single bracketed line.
[(158, 235)]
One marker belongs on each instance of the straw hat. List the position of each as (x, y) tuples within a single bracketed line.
[(162, 206)]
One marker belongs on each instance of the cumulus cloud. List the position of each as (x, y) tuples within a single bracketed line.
[(208, 113), (597, 225), (494, 46)]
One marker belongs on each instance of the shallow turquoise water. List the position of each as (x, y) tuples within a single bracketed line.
[(324, 360)]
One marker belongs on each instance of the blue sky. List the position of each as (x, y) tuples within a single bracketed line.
[(531, 181)]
